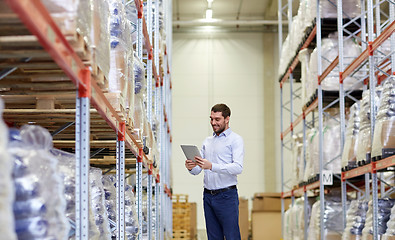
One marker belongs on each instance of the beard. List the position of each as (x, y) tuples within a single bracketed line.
[(219, 130)]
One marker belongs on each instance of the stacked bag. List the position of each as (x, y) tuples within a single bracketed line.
[(39, 207)]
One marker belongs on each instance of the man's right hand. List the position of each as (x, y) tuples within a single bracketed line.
[(189, 164)]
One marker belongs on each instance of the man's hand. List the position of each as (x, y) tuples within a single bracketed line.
[(203, 163), (189, 164)]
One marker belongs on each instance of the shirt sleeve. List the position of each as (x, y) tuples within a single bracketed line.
[(195, 171), (236, 166)]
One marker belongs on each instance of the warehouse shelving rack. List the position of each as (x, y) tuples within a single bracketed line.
[(376, 63), (32, 26)]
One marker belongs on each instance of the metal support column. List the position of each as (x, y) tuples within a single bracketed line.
[(82, 153), (305, 203), (139, 192), (372, 88), (342, 102), (282, 160), (320, 121), (149, 63), (120, 175), (140, 31), (149, 200)]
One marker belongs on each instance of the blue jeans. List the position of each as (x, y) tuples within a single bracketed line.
[(222, 215)]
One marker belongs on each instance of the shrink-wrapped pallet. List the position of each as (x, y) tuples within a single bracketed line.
[(297, 159), (131, 222), (331, 149), (332, 226), (39, 207), (364, 137), (384, 132), (100, 35), (390, 233), (356, 218), (67, 169), (98, 205), (329, 52), (71, 16), (349, 156), (383, 216)]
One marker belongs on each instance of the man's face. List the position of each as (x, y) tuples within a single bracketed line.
[(218, 122)]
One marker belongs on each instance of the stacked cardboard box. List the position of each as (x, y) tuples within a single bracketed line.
[(266, 216), (243, 218)]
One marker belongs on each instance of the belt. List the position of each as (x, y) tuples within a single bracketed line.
[(216, 191)]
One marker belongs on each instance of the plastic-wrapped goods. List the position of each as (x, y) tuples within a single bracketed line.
[(120, 48), (390, 233), (351, 9), (131, 223), (39, 207), (349, 156), (6, 185), (100, 35), (384, 212), (356, 217), (331, 151), (288, 225), (310, 153), (364, 138), (110, 196), (71, 16), (314, 226), (332, 226), (98, 206), (329, 52), (67, 169), (297, 159), (304, 58), (384, 132)]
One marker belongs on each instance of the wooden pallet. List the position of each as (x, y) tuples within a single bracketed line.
[(181, 234), (180, 198)]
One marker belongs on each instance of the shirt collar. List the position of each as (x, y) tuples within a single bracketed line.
[(226, 133)]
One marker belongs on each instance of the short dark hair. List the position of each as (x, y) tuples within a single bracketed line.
[(221, 108)]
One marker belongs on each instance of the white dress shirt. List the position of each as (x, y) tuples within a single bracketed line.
[(226, 154)]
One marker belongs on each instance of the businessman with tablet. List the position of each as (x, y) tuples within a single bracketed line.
[(221, 158)]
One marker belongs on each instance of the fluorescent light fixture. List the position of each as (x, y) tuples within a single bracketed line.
[(210, 1), (209, 14)]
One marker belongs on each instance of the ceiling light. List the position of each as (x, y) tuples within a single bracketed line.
[(209, 14), (210, 1)]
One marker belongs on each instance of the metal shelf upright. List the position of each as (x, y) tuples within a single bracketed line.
[(39, 22), (376, 72)]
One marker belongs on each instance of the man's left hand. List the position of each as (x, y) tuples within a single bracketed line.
[(203, 163)]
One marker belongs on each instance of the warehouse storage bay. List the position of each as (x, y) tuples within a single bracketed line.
[(96, 97)]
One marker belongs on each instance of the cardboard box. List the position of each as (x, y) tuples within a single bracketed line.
[(193, 221), (243, 218), (270, 202), (266, 225)]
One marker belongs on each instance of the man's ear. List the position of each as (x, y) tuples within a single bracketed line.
[(227, 120)]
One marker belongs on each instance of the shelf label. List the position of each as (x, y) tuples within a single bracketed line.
[(327, 177)]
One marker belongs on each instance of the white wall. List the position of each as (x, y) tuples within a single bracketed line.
[(210, 69)]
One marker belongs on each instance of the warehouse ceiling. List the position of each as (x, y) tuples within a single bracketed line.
[(247, 15)]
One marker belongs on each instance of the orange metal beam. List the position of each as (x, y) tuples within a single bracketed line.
[(365, 54)]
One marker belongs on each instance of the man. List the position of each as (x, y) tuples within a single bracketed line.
[(222, 160)]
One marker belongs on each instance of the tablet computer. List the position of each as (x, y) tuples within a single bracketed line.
[(190, 151)]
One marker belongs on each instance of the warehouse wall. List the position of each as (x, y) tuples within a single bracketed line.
[(237, 69)]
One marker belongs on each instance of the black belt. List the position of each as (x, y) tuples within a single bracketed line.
[(216, 191)]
